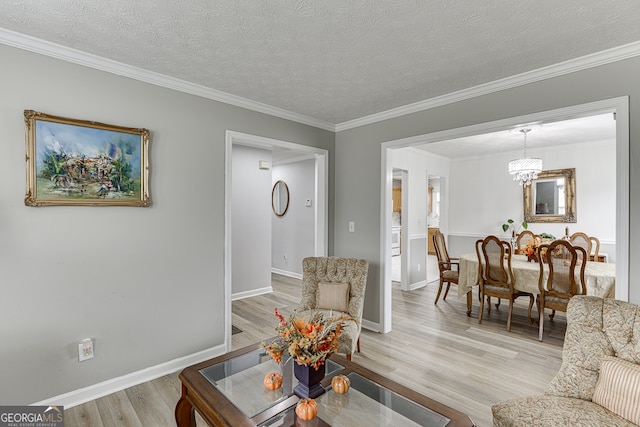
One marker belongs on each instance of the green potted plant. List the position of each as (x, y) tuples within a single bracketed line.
[(515, 228)]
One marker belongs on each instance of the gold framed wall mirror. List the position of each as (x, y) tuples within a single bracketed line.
[(280, 198), (551, 197)]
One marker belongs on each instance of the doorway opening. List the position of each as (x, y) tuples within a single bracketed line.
[(435, 201), (253, 211), (399, 228), (617, 106)]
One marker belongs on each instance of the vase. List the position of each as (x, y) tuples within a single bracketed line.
[(308, 380)]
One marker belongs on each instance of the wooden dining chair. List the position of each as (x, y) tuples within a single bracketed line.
[(562, 259), (523, 239), (582, 240), (448, 266), (595, 249), (496, 275)]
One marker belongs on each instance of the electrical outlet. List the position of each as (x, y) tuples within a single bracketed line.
[(85, 349)]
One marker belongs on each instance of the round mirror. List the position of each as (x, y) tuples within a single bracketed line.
[(280, 198)]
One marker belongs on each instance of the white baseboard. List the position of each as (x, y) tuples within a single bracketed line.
[(92, 392), (371, 326), (287, 273), (252, 293), (417, 285)]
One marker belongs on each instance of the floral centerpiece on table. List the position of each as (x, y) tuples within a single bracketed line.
[(532, 250), (308, 340)]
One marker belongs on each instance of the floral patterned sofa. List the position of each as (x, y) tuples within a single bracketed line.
[(603, 336)]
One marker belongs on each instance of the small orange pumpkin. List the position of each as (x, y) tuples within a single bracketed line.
[(272, 381), (306, 409), (340, 384)]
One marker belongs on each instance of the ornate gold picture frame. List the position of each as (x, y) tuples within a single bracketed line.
[(556, 202), (83, 163)]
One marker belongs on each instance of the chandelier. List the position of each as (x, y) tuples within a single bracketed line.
[(525, 169)]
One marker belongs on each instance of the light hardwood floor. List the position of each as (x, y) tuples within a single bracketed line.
[(436, 350)]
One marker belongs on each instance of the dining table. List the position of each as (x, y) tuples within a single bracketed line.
[(600, 277)]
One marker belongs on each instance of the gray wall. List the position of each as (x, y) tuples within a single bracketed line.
[(358, 195), (418, 262), (293, 233), (251, 221), (480, 206), (151, 289)]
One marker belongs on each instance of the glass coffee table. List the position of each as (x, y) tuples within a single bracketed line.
[(228, 391)]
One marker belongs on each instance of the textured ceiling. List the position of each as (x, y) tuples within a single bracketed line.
[(331, 60)]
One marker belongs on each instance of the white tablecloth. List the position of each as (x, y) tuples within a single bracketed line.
[(600, 277)]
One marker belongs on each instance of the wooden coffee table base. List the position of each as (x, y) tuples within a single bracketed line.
[(185, 413)]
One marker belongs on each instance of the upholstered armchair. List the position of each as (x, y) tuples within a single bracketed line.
[(336, 285), (599, 380)]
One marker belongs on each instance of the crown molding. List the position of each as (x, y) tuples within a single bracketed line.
[(589, 61), (43, 47)]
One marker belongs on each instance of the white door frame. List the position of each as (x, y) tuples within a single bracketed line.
[(618, 105), (321, 205)]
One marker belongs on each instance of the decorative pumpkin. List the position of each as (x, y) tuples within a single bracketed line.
[(272, 381), (306, 409), (340, 384)]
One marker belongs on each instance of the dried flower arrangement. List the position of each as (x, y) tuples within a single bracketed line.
[(309, 341)]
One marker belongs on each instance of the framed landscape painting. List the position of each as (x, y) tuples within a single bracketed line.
[(83, 163)]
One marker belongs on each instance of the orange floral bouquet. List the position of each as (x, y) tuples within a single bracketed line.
[(308, 341), (532, 250)]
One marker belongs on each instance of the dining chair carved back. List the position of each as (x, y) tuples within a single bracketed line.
[(595, 249), (448, 266), (496, 275), (563, 260), (523, 239), (582, 240)]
